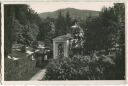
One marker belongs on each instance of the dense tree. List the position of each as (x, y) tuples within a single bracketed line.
[(60, 25), (9, 18), (21, 22), (68, 22), (78, 38), (119, 10), (47, 31), (51, 28), (107, 32), (103, 31)]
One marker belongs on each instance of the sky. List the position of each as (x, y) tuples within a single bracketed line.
[(53, 6)]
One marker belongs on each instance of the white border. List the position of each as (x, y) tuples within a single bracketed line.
[(72, 82), (63, 0), (55, 82), (1, 49)]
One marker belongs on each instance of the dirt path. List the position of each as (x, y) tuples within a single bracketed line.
[(38, 76)]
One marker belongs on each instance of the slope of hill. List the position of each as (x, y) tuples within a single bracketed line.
[(75, 13)]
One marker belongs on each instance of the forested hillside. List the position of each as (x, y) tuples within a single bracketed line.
[(76, 13)]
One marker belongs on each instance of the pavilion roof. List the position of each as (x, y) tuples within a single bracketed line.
[(63, 37)]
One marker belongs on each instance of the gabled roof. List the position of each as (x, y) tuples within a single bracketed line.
[(63, 37)]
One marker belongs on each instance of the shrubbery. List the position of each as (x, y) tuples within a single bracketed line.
[(80, 68)]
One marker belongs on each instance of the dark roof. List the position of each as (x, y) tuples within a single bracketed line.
[(63, 37)]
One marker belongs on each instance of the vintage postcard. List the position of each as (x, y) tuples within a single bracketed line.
[(63, 42)]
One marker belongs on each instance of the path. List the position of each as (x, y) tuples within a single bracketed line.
[(38, 76)]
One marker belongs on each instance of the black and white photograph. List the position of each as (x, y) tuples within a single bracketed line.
[(64, 41)]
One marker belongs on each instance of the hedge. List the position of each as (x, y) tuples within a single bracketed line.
[(80, 68)]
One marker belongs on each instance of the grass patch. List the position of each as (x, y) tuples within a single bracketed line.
[(22, 69)]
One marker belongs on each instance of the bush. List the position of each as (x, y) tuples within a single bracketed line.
[(79, 68)]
